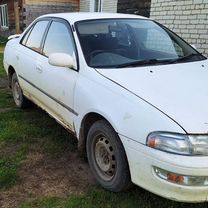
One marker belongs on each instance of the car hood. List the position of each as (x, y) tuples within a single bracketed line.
[(178, 90)]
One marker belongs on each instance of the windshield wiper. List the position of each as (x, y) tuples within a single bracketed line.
[(184, 58), (142, 63), (147, 62)]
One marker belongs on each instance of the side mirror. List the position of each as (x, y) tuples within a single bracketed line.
[(61, 60)]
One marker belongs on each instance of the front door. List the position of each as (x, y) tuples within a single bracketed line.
[(58, 83)]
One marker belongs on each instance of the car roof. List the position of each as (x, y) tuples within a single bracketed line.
[(78, 16)]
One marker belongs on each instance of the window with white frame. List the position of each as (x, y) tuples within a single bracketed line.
[(96, 5), (4, 16)]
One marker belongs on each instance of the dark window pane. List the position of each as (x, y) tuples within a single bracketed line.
[(1, 16), (58, 40), (96, 6), (6, 16), (3, 12), (34, 40)]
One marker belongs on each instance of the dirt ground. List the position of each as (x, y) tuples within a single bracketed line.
[(3, 82), (44, 175)]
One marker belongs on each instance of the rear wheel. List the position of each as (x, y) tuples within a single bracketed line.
[(20, 100), (107, 158)]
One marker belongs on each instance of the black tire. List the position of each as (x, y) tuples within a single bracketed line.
[(20, 100), (107, 158)]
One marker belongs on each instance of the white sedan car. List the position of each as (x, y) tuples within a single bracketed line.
[(133, 93)]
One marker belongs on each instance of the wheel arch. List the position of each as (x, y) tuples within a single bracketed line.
[(86, 123), (83, 144), (11, 71)]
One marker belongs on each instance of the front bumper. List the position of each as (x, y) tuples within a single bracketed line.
[(142, 159)]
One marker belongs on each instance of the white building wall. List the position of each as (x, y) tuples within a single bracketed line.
[(84, 6), (188, 18), (107, 5)]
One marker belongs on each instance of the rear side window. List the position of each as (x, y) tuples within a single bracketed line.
[(59, 40), (35, 36)]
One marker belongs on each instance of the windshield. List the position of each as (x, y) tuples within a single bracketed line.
[(110, 43)]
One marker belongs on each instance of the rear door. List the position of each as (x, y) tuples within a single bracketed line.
[(27, 55)]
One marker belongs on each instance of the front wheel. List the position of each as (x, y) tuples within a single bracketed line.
[(107, 158), (20, 100)]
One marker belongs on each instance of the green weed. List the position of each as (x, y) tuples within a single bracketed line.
[(2, 71), (99, 198), (9, 166)]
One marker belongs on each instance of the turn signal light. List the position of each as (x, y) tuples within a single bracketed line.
[(175, 178), (184, 180)]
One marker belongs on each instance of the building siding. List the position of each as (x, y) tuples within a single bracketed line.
[(11, 17), (49, 2), (110, 6), (187, 18), (107, 5), (32, 10), (84, 6)]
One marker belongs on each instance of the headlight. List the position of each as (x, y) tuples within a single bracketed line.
[(199, 144), (179, 143)]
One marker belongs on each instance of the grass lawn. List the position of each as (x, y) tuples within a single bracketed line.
[(2, 73), (41, 168)]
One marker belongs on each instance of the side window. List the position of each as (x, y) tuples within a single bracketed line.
[(97, 5), (24, 40), (4, 20), (36, 35), (59, 40)]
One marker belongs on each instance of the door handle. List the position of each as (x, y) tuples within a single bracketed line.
[(39, 69)]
